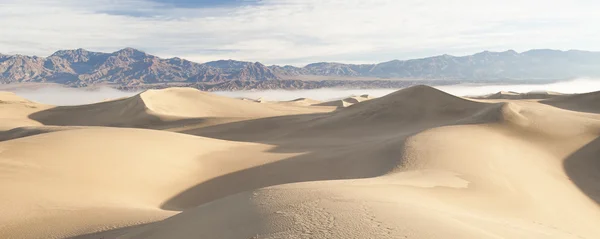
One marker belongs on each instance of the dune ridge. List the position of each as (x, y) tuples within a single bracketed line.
[(16, 109), (587, 102), (346, 102), (9, 97), (155, 107), (417, 163), (303, 101), (510, 95)]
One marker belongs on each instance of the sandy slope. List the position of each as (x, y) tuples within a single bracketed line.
[(587, 102), (418, 163), (15, 111), (172, 109), (346, 101), (510, 95), (157, 107), (77, 175), (302, 101)]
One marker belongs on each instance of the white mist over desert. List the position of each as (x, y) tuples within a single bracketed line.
[(327, 94), (415, 163), (57, 95)]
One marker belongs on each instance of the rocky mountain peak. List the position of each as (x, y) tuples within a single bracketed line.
[(131, 52)]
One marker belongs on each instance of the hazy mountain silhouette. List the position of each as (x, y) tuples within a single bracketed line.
[(131, 67)]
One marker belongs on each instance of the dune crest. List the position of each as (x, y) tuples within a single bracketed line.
[(156, 107), (9, 97), (510, 95), (417, 104), (14, 111), (587, 102), (346, 102), (303, 101)]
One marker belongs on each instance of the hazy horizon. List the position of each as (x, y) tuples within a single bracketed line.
[(63, 96)]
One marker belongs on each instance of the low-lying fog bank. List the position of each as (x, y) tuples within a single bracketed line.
[(567, 87), (55, 95)]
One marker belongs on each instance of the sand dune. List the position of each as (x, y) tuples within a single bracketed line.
[(411, 104), (61, 179), (412, 109), (418, 163), (15, 111), (9, 97), (346, 101), (303, 101), (157, 107), (587, 102), (25, 131), (509, 95)]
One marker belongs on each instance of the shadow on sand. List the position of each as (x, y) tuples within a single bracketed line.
[(583, 168), (326, 151)]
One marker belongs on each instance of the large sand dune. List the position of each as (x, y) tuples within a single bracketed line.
[(15, 111), (346, 102), (510, 95), (587, 102), (418, 163), (156, 107)]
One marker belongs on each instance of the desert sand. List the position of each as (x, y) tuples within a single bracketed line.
[(346, 102), (511, 95), (417, 163)]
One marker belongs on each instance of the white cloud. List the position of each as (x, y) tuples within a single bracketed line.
[(298, 32)]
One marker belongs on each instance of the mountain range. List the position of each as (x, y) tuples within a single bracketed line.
[(131, 68)]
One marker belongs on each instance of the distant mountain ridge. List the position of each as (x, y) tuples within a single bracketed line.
[(126, 67), (130, 67), (533, 64)]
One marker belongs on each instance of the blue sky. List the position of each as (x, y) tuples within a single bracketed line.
[(154, 8), (298, 32), (204, 3)]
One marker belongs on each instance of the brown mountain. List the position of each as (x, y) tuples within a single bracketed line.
[(125, 67), (130, 68)]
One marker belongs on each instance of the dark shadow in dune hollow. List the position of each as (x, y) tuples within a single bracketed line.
[(128, 112), (587, 102), (111, 234), (583, 168), (108, 117), (329, 152)]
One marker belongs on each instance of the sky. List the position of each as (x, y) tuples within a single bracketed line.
[(298, 32)]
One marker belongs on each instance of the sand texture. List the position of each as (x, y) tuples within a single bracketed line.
[(417, 163)]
